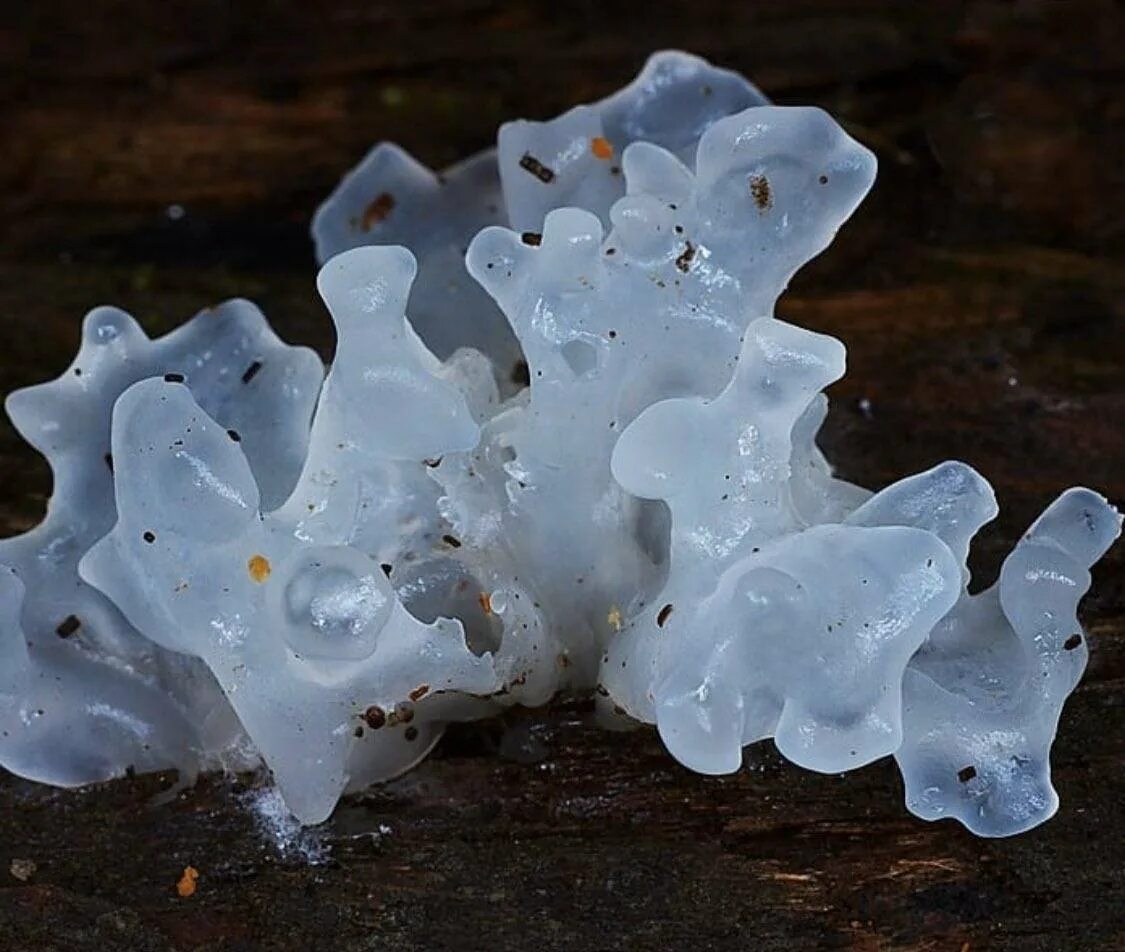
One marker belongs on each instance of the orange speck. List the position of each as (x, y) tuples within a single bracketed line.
[(186, 886), (259, 567), (485, 600), (601, 147)]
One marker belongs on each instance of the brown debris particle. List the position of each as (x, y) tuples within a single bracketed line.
[(760, 192), (259, 568), (22, 869), (375, 717), (1072, 642), (662, 615), (402, 714), (529, 163), (485, 600), (683, 262), (186, 886), (68, 626), (601, 148), (965, 774), (419, 692), (378, 210), (532, 238)]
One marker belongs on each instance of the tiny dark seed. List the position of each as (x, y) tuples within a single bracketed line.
[(68, 626), (662, 616), (233, 434), (173, 378), (251, 372), (1072, 642), (452, 541), (965, 774)]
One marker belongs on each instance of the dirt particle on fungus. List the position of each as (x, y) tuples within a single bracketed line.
[(186, 885), (662, 615), (173, 378), (68, 626), (1072, 642), (149, 536), (403, 713), (419, 692), (485, 600), (259, 568), (452, 541), (601, 148), (358, 732), (234, 435), (760, 192), (521, 374), (387, 568), (109, 461), (377, 210), (683, 262), (823, 180), (252, 371), (529, 163), (532, 238), (375, 717), (965, 774), (411, 733)]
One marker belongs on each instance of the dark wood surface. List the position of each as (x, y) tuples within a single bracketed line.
[(979, 291)]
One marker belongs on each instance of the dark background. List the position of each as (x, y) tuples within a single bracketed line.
[(979, 291)]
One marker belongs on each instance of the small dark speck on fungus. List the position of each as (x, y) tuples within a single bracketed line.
[(760, 192), (529, 163), (173, 378), (965, 774), (663, 614), (1072, 642), (683, 262), (375, 717), (68, 626), (377, 210)]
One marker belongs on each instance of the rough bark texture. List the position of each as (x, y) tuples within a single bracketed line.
[(979, 291)]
